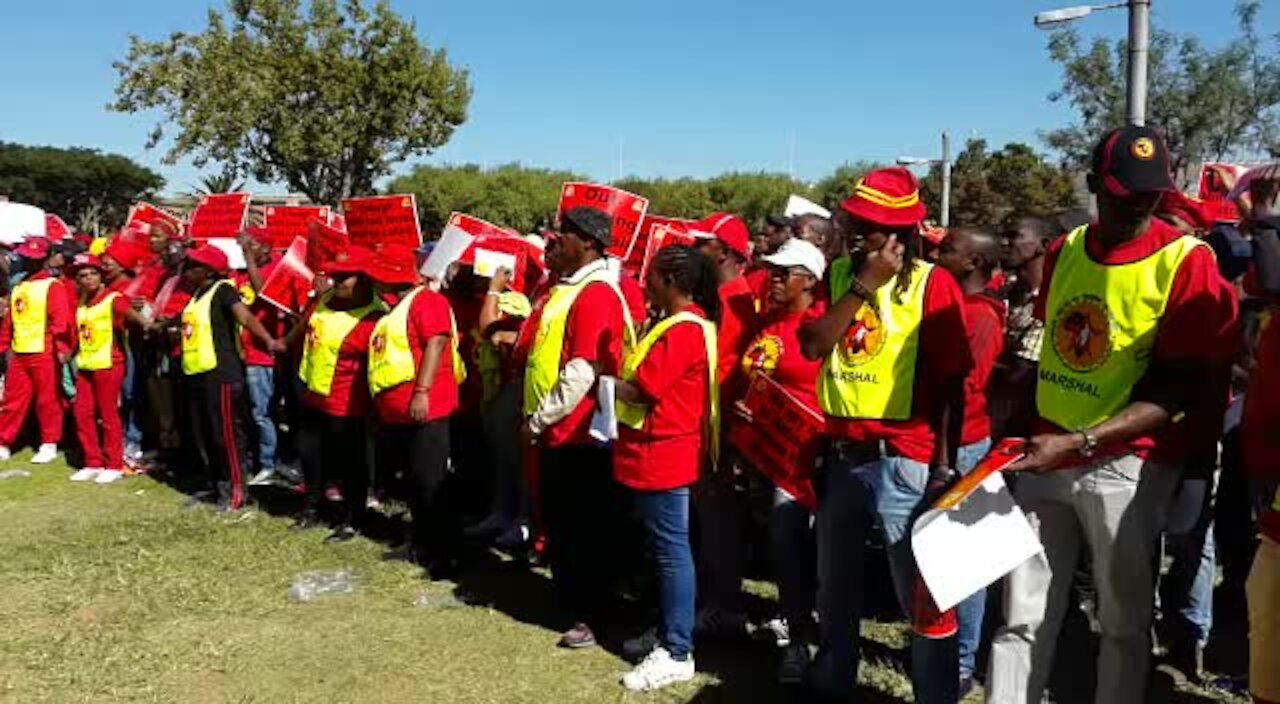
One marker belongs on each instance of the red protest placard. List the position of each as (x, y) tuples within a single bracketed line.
[(325, 242), (657, 232), (476, 227), (782, 439), (55, 229), (219, 215), (283, 223), (289, 284), (143, 215), (376, 220), (626, 209), (1216, 182)]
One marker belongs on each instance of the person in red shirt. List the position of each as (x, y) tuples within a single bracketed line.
[(38, 344), (100, 371), (660, 454), (571, 349), (794, 273), (1115, 385), (891, 387), (971, 256), (259, 363)]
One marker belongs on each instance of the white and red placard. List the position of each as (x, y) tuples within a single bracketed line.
[(219, 215), (377, 220), (626, 209), (143, 215)]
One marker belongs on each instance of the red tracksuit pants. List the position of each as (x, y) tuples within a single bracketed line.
[(98, 398), (34, 374)]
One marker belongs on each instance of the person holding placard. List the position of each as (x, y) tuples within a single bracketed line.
[(895, 357), (260, 364)]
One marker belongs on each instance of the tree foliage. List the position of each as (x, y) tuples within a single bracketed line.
[(1211, 105), (89, 189), (750, 195), (990, 188), (225, 182), (508, 196), (832, 190), (325, 98)]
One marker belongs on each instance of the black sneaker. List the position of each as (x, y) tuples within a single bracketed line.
[(578, 637), (341, 534)]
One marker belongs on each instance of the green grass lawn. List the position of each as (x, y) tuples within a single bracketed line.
[(115, 593)]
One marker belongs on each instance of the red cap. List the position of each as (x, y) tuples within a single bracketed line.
[(34, 248), (85, 261), (210, 256), (395, 264), (888, 197), (352, 260), (729, 229)]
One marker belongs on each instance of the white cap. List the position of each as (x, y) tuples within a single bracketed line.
[(797, 206), (798, 252)]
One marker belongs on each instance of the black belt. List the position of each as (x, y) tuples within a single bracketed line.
[(857, 453)]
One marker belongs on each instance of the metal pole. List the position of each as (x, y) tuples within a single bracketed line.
[(945, 216), (1139, 43)]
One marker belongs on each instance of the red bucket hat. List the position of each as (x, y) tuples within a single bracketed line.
[(210, 256), (395, 264), (352, 260), (888, 197)]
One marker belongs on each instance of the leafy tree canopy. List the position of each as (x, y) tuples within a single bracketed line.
[(508, 196), (991, 188), (92, 191)]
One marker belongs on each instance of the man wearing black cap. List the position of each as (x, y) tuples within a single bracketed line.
[(579, 336), (1135, 316)]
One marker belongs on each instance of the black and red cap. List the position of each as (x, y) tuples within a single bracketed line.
[(1133, 160)]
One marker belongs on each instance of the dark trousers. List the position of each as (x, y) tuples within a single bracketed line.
[(220, 426), (424, 449), (582, 506), (333, 451)]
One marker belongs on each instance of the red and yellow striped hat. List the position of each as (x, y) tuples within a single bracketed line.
[(888, 197)]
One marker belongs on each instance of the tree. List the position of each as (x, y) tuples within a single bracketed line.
[(326, 99), (750, 195), (89, 189), (675, 198), (1211, 105), (508, 196), (990, 189), (225, 182)]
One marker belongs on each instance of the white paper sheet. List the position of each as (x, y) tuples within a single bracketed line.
[(797, 205), (235, 255), (604, 422), (985, 538), (452, 243), (488, 262)]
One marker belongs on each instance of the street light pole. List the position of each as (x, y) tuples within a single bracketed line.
[(945, 216), (1139, 47)]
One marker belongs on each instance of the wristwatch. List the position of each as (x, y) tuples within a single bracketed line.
[(1090, 445)]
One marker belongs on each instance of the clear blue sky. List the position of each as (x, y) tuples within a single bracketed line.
[(690, 87)]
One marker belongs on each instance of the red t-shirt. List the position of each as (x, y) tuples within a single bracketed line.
[(984, 317), (428, 318), (775, 352), (349, 395), (943, 356), (255, 353), (594, 333), (60, 319), (758, 281), (667, 452), (152, 276), (1199, 324), (466, 311), (738, 322)]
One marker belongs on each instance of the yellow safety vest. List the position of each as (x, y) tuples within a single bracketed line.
[(327, 329), (634, 415), (543, 368), (1100, 330), (390, 357), (871, 372), (198, 353), (96, 328), (29, 309)]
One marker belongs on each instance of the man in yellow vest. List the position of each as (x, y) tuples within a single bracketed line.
[(895, 355), (214, 373), (579, 336), (37, 335), (1137, 319)]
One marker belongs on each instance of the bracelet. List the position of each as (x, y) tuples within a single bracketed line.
[(495, 294), (422, 389)]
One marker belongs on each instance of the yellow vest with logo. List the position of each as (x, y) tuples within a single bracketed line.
[(1100, 329), (29, 309), (96, 327), (543, 368), (391, 358), (198, 353), (634, 415), (871, 372), (327, 329)]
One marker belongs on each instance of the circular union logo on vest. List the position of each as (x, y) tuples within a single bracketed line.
[(764, 354), (864, 339), (86, 333), (1082, 334), (379, 342), (20, 303)]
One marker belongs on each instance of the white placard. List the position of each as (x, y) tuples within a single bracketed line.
[(453, 242), (797, 205), (235, 255), (488, 262), (18, 221)]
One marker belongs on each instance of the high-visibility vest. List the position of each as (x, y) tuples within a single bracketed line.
[(390, 357), (96, 327), (634, 415), (198, 352), (29, 309), (543, 368), (871, 372), (327, 329), (1100, 329)]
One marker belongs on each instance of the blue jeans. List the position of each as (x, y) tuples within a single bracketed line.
[(890, 490), (971, 611), (792, 546), (262, 387), (1186, 592), (666, 525)]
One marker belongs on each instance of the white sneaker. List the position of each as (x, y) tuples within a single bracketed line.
[(86, 475), (107, 476), (4, 454), (47, 453), (657, 671), (263, 478)]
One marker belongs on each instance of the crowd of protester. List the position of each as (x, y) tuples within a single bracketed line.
[(1132, 353)]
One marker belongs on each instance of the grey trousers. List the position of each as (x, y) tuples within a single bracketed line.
[(1115, 507)]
